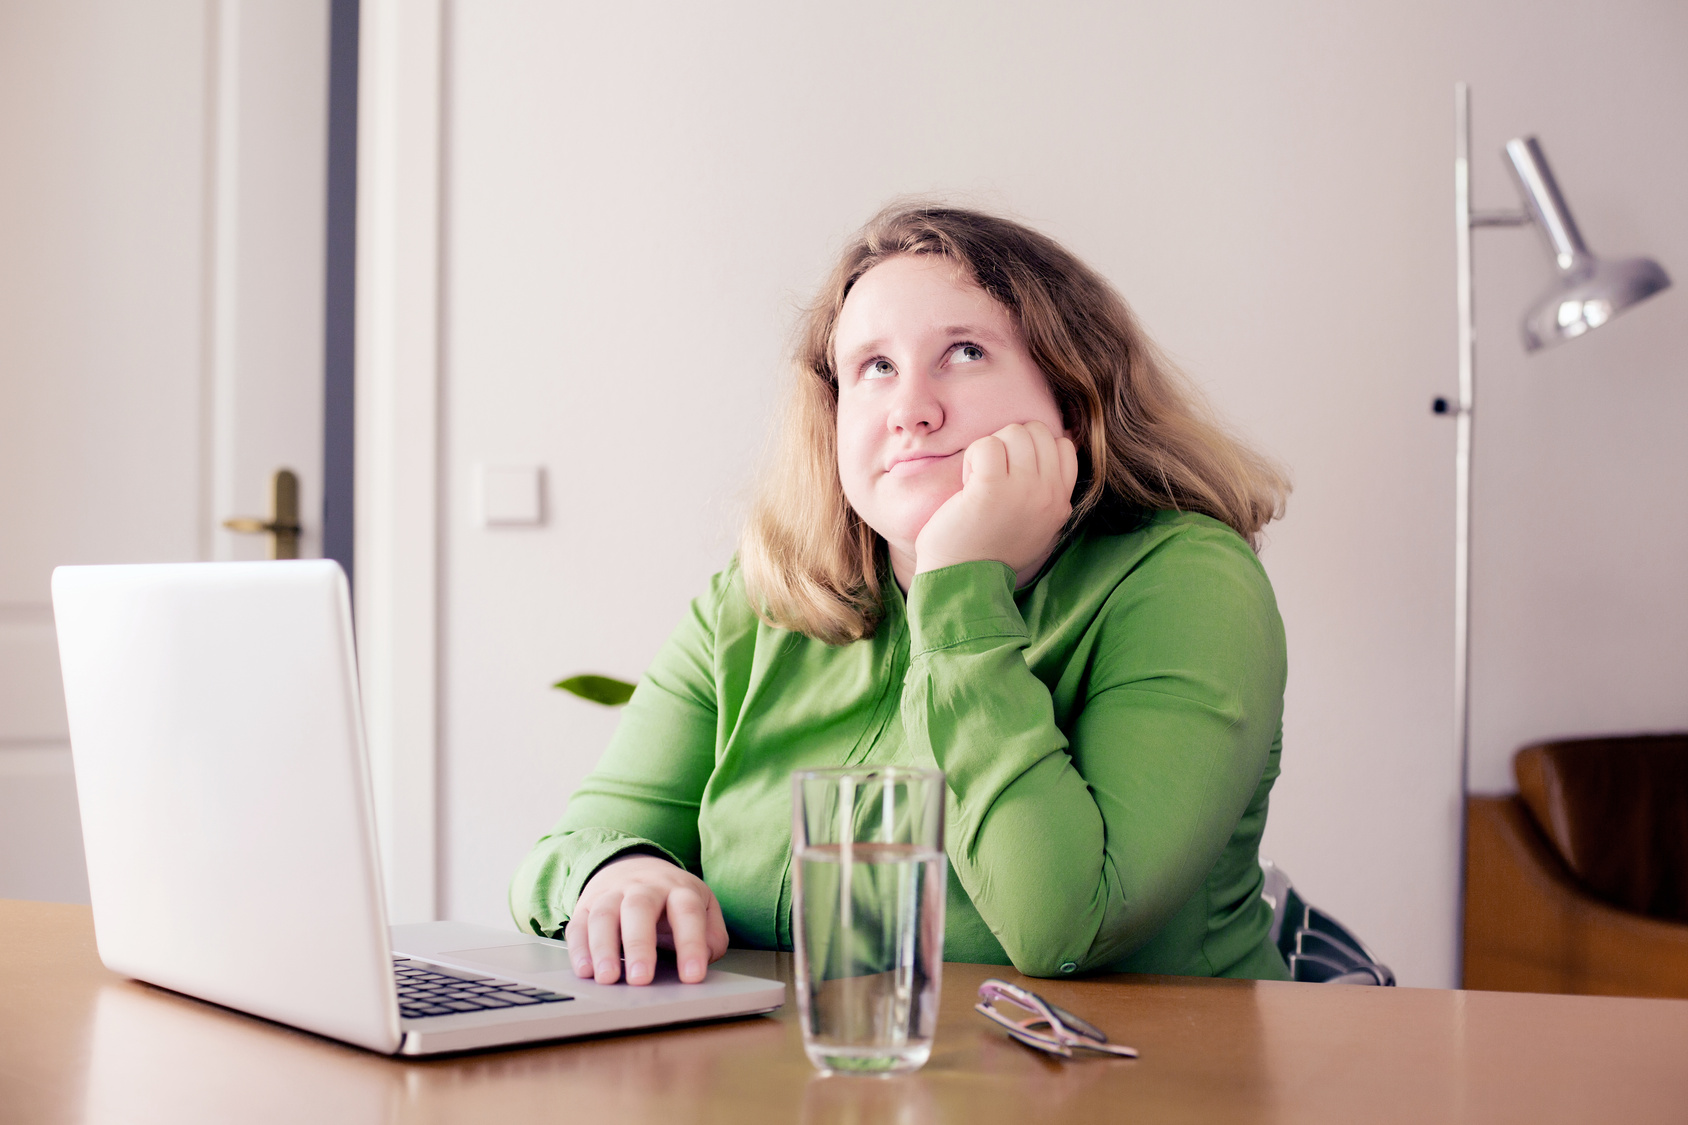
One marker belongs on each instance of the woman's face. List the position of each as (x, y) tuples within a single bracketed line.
[(927, 364)]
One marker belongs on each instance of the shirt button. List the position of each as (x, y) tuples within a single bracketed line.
[(1068, 967)]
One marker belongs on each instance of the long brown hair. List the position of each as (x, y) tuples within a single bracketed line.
[(1145, 440)]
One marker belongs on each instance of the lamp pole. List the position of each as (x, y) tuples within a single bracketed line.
[(1465, 221), (1462, 445), (1464, 411)]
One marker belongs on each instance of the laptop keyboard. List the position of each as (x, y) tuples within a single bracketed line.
[(430, 990)]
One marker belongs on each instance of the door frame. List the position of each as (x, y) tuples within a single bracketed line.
[(397, 388)]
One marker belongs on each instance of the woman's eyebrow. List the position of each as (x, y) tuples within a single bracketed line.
[(951, 332), (973, 332), (860, 352)]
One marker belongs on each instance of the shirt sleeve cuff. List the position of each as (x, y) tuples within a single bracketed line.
[(598, 847), (957, 604)]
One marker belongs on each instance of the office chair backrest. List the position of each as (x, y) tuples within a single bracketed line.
[(1616, 811), (1316, 947)]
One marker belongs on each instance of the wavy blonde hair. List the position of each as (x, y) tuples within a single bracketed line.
[(1146, 441)]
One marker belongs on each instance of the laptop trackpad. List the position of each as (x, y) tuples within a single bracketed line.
[(529, 958)]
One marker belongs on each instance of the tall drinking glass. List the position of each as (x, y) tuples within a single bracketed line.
[(869, 883)]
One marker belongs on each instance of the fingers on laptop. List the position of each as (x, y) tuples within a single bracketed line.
[(699, 933), (641, 909), (580, 950), (603, 939), (628, 924)]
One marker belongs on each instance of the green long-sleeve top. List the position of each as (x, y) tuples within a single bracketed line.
[(1109, 734)]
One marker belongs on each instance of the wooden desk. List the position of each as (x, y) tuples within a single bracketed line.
[(79, 1044)]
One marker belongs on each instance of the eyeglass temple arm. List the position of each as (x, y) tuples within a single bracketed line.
[(1068, 1019), (1075, 1023)]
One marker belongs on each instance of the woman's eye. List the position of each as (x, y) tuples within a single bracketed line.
[(879, 369), (967, 353)]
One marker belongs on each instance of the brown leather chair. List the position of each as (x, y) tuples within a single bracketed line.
[(1579, 883)]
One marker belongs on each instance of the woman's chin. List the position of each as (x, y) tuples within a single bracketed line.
[(899, 513), (908, 527)]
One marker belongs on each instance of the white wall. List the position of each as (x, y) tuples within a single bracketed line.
[(637, 198)]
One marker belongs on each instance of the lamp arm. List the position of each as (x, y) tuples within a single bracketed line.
[(1544, 202)]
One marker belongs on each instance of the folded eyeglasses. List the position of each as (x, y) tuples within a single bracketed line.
[(1048, 1028)]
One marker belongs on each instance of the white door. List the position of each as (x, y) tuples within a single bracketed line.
[(161, 327)]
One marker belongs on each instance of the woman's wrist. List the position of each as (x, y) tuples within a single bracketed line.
[(620, 858)]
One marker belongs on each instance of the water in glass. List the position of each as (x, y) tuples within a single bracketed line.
[(871, 931)]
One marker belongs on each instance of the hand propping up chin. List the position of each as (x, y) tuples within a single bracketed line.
[(1016, 494)]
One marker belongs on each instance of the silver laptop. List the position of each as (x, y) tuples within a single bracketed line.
[(230, 837)]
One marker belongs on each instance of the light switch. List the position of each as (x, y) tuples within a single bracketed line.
[(511, 495)]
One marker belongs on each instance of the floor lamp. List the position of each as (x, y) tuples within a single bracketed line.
[(1587, 293)]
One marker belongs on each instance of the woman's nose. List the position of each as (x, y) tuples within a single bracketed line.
[(915, 407)]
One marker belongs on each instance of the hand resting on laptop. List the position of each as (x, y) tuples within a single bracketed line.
[(638, 903)]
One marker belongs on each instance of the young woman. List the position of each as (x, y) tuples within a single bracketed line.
[(1000, 539)]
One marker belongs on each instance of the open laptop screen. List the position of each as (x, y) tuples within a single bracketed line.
[(216, 735)]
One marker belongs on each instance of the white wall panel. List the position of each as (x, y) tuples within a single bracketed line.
[(40, 827)]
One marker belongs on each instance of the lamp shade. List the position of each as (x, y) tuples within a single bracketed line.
[(1589, 291)]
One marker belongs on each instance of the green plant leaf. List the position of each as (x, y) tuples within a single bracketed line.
[(607, 690)]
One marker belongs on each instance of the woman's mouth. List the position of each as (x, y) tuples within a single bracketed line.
[(908, 466)]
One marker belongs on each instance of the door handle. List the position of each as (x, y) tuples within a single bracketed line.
[(283, 525)]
